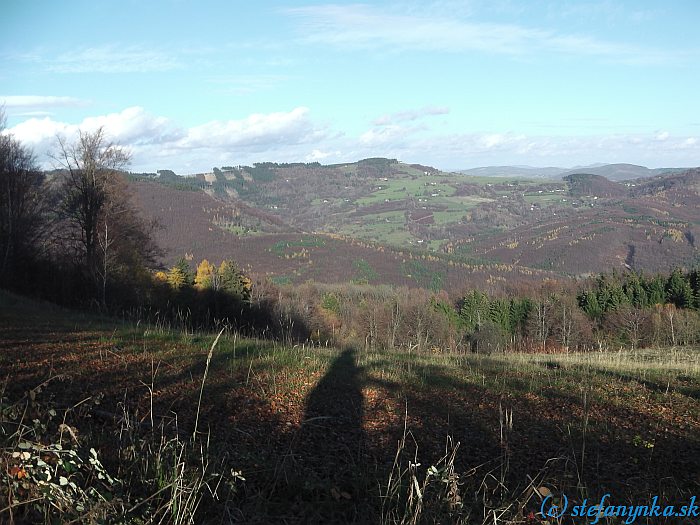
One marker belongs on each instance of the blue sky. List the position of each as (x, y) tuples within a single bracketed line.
[(188, 85)]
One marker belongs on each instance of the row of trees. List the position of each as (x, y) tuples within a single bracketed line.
[(227, 277), (388, 318), (551, 319), (611, 292)]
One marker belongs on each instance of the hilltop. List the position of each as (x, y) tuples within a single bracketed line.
[(585, 184)]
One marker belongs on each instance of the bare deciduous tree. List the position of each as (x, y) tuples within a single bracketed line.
[(91, 163), (542, 320), (630, 322), (104, 228)]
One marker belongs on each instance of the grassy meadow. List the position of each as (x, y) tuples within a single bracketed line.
[(124, 423)]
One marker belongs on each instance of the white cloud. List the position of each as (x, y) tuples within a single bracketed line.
[(258, 131), (394, 129), (510, 148), (37, 133), (246, 84), (482, 149), (136, 127), (157, 142), (111, 59), (409, 115), (493, 140), (605, 11), (690, 143), (392, 134), (36, 102), (132, 127), (29, 114), (361, 26), (318, 155)]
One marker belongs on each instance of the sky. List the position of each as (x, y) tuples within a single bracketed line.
[(190, 85)]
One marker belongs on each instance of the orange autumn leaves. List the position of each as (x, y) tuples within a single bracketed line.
[(226, 277)]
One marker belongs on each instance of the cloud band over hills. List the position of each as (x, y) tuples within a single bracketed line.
[(159, 142)]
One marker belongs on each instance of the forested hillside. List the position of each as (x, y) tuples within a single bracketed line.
[(459, 229)]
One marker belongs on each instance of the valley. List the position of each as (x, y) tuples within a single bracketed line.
[(383, 221)]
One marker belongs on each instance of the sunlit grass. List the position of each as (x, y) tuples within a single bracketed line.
[(665, 367)]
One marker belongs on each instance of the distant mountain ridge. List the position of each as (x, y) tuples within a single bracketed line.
[(613, 172), (515, 171), (620, 172)]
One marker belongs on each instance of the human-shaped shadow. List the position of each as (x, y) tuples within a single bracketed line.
[(329, 452)]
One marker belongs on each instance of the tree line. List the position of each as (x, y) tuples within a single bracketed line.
[(633, 310), (628, 309)]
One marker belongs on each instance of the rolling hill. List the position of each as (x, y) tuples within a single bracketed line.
[(384, 221), (584, 184)]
